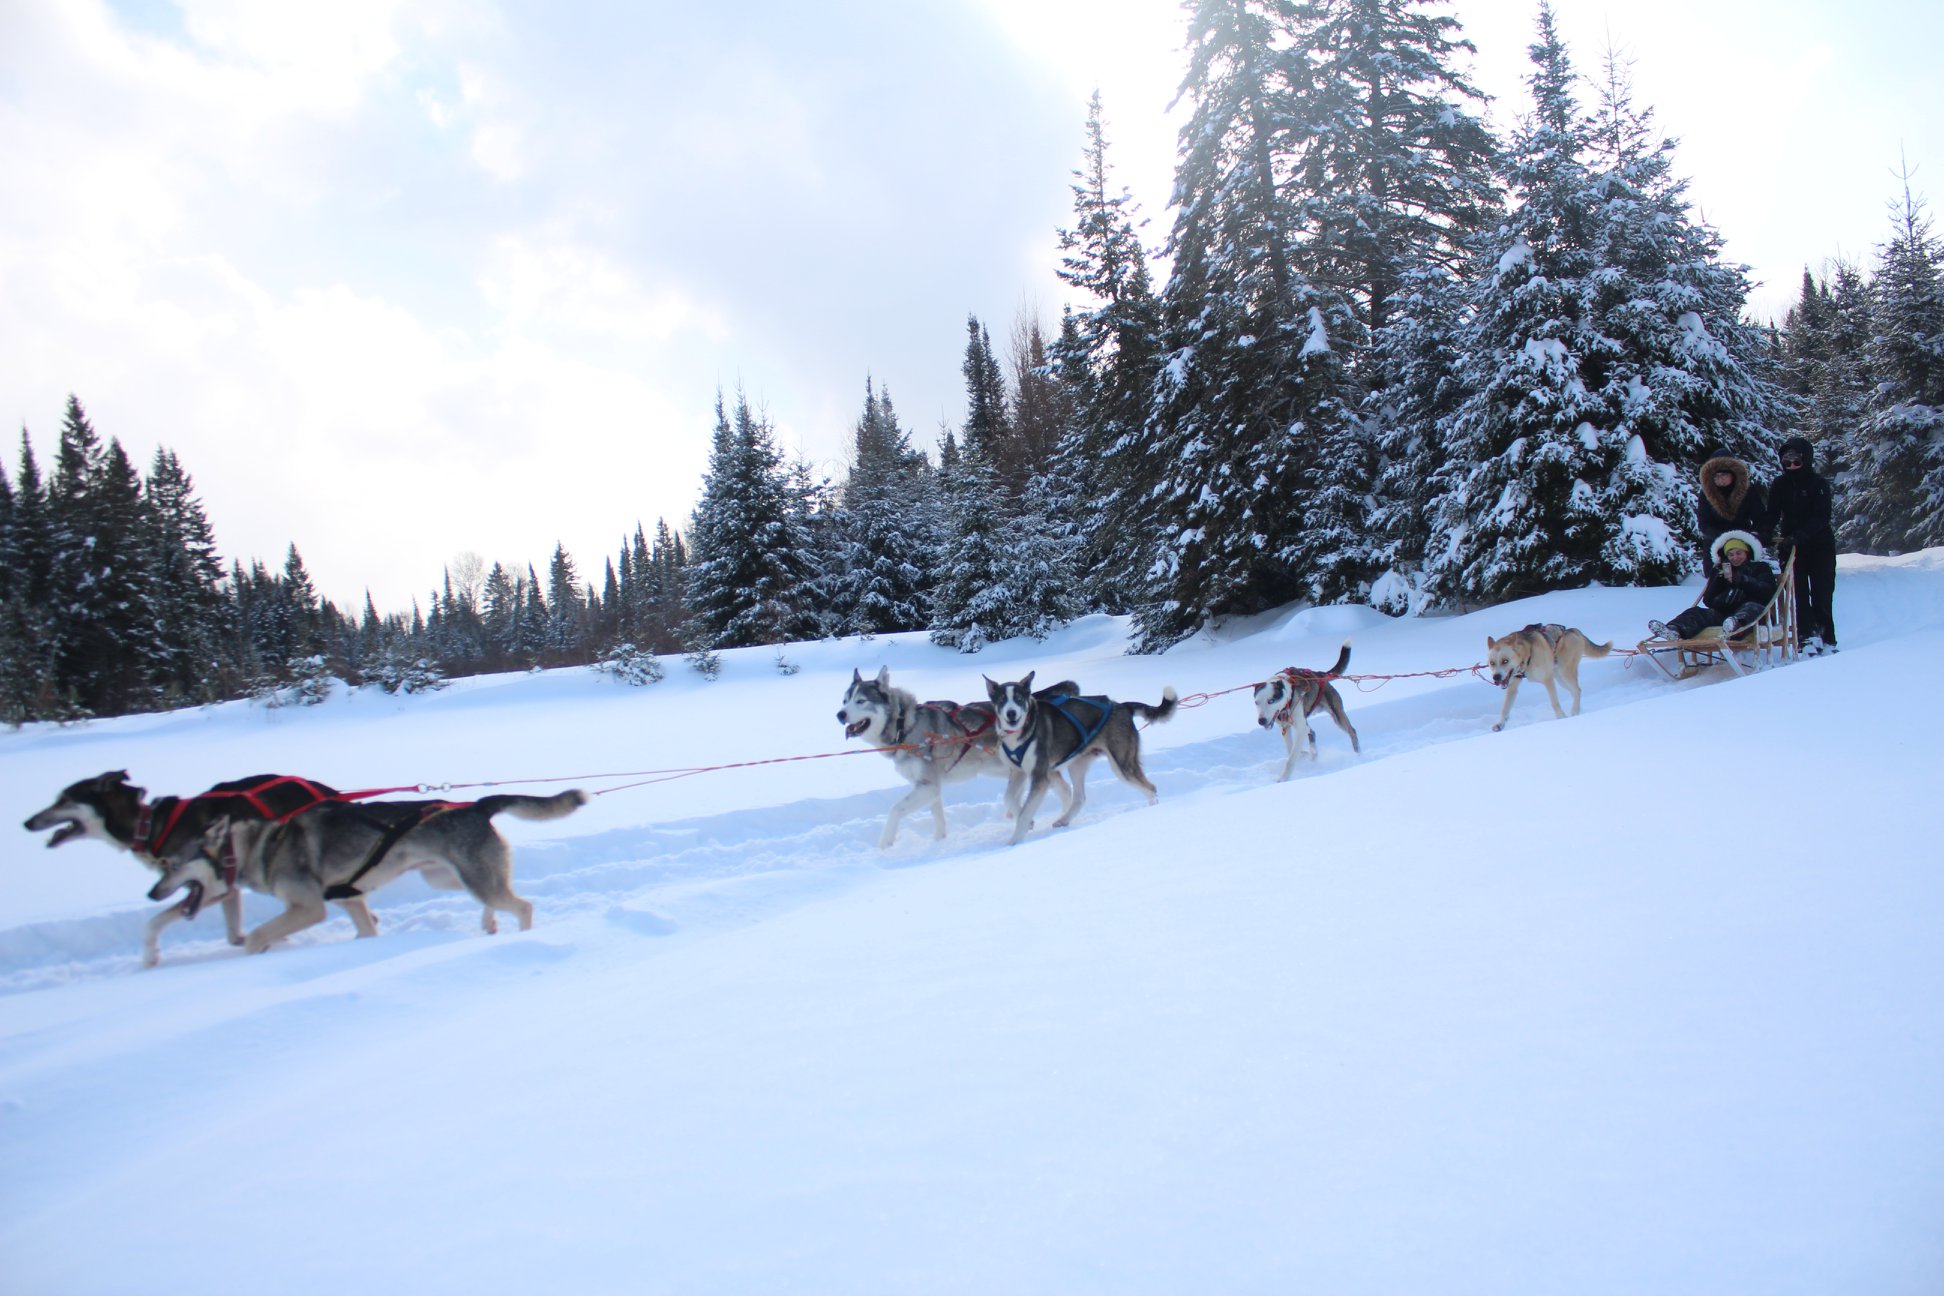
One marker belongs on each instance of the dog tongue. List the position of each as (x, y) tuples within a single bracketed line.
[(856, 728), (65, 833), (192, 904)]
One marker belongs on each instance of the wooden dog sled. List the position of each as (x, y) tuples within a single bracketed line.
[(1769, 640)]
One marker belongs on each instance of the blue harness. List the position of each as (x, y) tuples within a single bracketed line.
[(1102, 707)]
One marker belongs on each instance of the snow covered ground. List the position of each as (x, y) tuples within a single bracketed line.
[(1641, 1001)]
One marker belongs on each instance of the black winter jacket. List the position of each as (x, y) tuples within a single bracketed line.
[(1799, 505), (1753, 582)]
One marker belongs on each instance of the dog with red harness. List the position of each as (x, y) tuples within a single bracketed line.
[(1287, 699), (109, 809)]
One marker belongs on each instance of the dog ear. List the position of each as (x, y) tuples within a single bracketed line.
[(884, 677), (856, 676), (1026, 685), (1490, 643)]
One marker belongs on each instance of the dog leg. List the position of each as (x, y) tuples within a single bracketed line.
[(1023, 823), (1511, 691), (152, 937), (360, 915), (1553, 694), (938, 811), (1569, 671), (1334, 705), (1289, 752), (1078, 777), (233, 915), (300, 914), (906, 804)]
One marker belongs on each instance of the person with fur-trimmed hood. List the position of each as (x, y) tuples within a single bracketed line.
[(1730, 501), (1741, 586), (1799, 515)]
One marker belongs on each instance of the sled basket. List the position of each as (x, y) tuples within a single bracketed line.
[(1768, 640)]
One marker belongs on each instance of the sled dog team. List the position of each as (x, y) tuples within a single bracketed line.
[(310, 846)]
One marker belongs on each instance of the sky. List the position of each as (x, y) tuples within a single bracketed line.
[(1562, 1009), (404, 281)]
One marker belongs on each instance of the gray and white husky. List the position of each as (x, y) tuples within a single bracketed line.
[(1041, 732), (930, 744), (339, 850)]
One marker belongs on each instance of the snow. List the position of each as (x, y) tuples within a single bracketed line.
[(1318, 341), (1597, 1005)]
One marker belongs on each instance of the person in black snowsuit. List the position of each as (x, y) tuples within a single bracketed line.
[(1741, 586), (1799, 517), (1730, 501)]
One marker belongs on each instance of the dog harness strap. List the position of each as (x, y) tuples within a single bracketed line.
[(149, 842), (1103, 707), (1017, 755), (392, 836)]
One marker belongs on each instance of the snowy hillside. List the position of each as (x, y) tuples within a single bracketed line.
[(1641, 1001)]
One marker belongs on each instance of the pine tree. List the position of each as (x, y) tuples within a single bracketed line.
[(987, 428), (567, 613), (1825, 368), (1389, 164), (1247, 392), (1898, 451), (887, 538), (1107, 359), (969, 602), (1676, 369), (190, 605), (750, 578)]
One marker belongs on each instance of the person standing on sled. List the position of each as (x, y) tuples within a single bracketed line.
[(1742, 585), (1798, 514), (1730, 501)]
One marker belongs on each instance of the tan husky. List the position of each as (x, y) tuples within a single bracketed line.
[(1545, 653)]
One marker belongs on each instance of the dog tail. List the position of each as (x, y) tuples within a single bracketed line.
[(1154, 714), (1342, 661), (557, 806), (1597, 650)]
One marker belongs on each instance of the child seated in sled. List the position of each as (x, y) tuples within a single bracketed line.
[(1741, 586)]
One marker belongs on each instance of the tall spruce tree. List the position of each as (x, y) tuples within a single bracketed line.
[(750, 579), (1107, 358), (191, 608), (1898, 451), (1247, 394), (887, 533)]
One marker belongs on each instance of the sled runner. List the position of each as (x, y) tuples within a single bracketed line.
[(1768, 640)]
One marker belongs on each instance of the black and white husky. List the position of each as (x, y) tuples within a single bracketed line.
[(109, 809), (339, 851), (930, 744), (1042, 732)]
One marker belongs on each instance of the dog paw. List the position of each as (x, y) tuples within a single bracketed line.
[(1497, 727)]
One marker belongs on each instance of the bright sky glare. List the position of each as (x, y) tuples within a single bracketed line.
[(399, 281)]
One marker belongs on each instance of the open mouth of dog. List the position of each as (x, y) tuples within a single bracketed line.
[(191, 904), (856, 727), (65, 830)]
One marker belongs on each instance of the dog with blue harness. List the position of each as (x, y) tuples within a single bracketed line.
[(1042, 733)]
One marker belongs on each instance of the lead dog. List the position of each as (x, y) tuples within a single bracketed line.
[(338, 850), (931, 744), (1542, 652), (109, 809), (1294, 692), (1041, 732)]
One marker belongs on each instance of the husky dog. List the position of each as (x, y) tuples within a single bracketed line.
[(1544, 652), (1039, 732), (933, 743), (110, 810), (339, 850), (1292, 695)]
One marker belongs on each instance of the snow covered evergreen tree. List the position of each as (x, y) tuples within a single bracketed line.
[(1248, 393), (1107, 358), (886, 526), (1825, 367), (1603, 352), (750, 578), (1005, 572), (1898, 451), (190, 606)]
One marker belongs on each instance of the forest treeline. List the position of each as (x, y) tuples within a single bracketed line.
[(1396, 359)]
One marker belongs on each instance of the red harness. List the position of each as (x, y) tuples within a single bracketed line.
[(151, 837), (1294, 674)]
